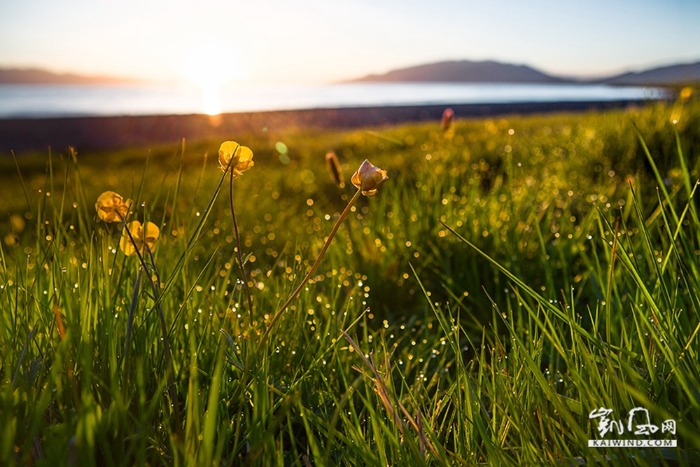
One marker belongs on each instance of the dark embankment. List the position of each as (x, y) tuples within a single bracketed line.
[(100, 133)]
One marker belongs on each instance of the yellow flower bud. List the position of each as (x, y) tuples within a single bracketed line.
[(233, 155), (369, 178), (111, 207), (143, 236)]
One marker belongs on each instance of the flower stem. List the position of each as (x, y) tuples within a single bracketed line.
[(238, 251), (130, 321), (164, 329), (335, 228)]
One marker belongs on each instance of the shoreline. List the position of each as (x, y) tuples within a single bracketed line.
[(109, 133)]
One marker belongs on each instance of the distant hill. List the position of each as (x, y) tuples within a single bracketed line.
[(465, 71), (489, 71), (36, 76), (667, 75)]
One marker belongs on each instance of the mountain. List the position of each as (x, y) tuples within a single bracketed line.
[(489, 71), (36, 76), (666, 75), (465, 71)]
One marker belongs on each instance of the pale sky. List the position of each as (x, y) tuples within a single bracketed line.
[(317, 41)]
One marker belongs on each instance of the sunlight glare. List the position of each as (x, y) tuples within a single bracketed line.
[(211, 99), (209, 67)]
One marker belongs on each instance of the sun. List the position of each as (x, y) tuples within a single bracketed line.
[(209, 67)]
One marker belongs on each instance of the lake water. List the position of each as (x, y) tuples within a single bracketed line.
[(36, 101)]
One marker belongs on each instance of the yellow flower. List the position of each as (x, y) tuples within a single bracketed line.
[(369, 178), (334, 169), (111, 207), (146, 235), (238, 158)]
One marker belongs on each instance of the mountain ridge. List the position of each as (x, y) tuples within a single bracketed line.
[(39, 76), (678, 74), (490, 71), (460, 71)]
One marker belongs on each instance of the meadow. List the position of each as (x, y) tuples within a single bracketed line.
[(511, 278)]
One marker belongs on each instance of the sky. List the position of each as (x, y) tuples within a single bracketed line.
[(321, 41)]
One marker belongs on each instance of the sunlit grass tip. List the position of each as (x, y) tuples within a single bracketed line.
[(335, 170), (448, 116)]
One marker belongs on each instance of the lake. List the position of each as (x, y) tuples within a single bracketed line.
[(39, 101)]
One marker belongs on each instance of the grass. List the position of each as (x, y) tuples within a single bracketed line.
[(507, 281)]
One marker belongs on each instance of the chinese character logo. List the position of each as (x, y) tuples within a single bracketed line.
[(605, 424), (638, 424)]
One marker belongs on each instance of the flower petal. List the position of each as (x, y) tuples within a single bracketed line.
[(126, 244), (226, 152), (151, 232), (245, 161)]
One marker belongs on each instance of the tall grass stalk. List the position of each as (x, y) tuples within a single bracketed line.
[(312, 270)]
